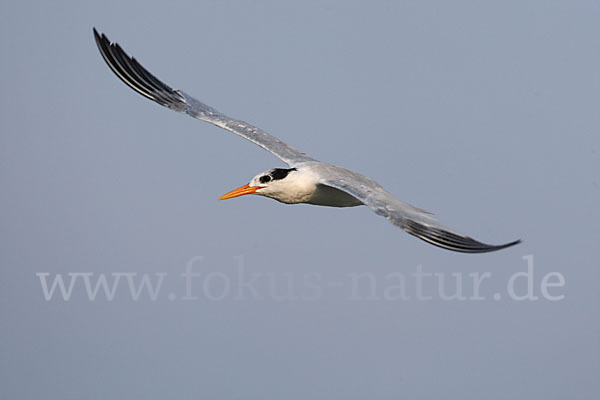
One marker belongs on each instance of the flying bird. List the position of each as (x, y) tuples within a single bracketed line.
[(306, 180)]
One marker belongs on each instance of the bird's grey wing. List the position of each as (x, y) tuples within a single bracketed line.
[(413, 220), (139, 79)]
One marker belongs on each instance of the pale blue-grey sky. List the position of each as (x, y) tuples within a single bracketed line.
[(485, 113)]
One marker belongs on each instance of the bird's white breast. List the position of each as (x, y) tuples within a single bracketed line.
[(328, 196)]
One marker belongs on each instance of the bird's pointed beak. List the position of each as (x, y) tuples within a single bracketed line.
[(246, 189)]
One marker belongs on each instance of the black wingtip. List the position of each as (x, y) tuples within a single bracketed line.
[(512, 243), (130, 71), (452, 241), (97, 36), (503, 246)]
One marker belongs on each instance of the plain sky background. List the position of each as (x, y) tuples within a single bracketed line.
[(486, 113)]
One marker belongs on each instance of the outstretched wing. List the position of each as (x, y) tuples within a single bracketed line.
[(139, 79), (413, 220)]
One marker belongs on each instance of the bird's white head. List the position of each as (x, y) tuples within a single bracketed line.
[(285, 185)]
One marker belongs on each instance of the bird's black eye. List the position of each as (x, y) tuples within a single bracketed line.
[(265, 179)]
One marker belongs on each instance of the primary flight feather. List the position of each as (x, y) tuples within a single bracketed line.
[(306, 180)]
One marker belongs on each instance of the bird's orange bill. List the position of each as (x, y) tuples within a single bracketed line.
[(246, 189)]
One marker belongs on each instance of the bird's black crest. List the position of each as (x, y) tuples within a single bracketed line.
[(280, 173)]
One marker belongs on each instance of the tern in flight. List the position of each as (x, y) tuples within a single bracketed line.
[(306, 180)]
